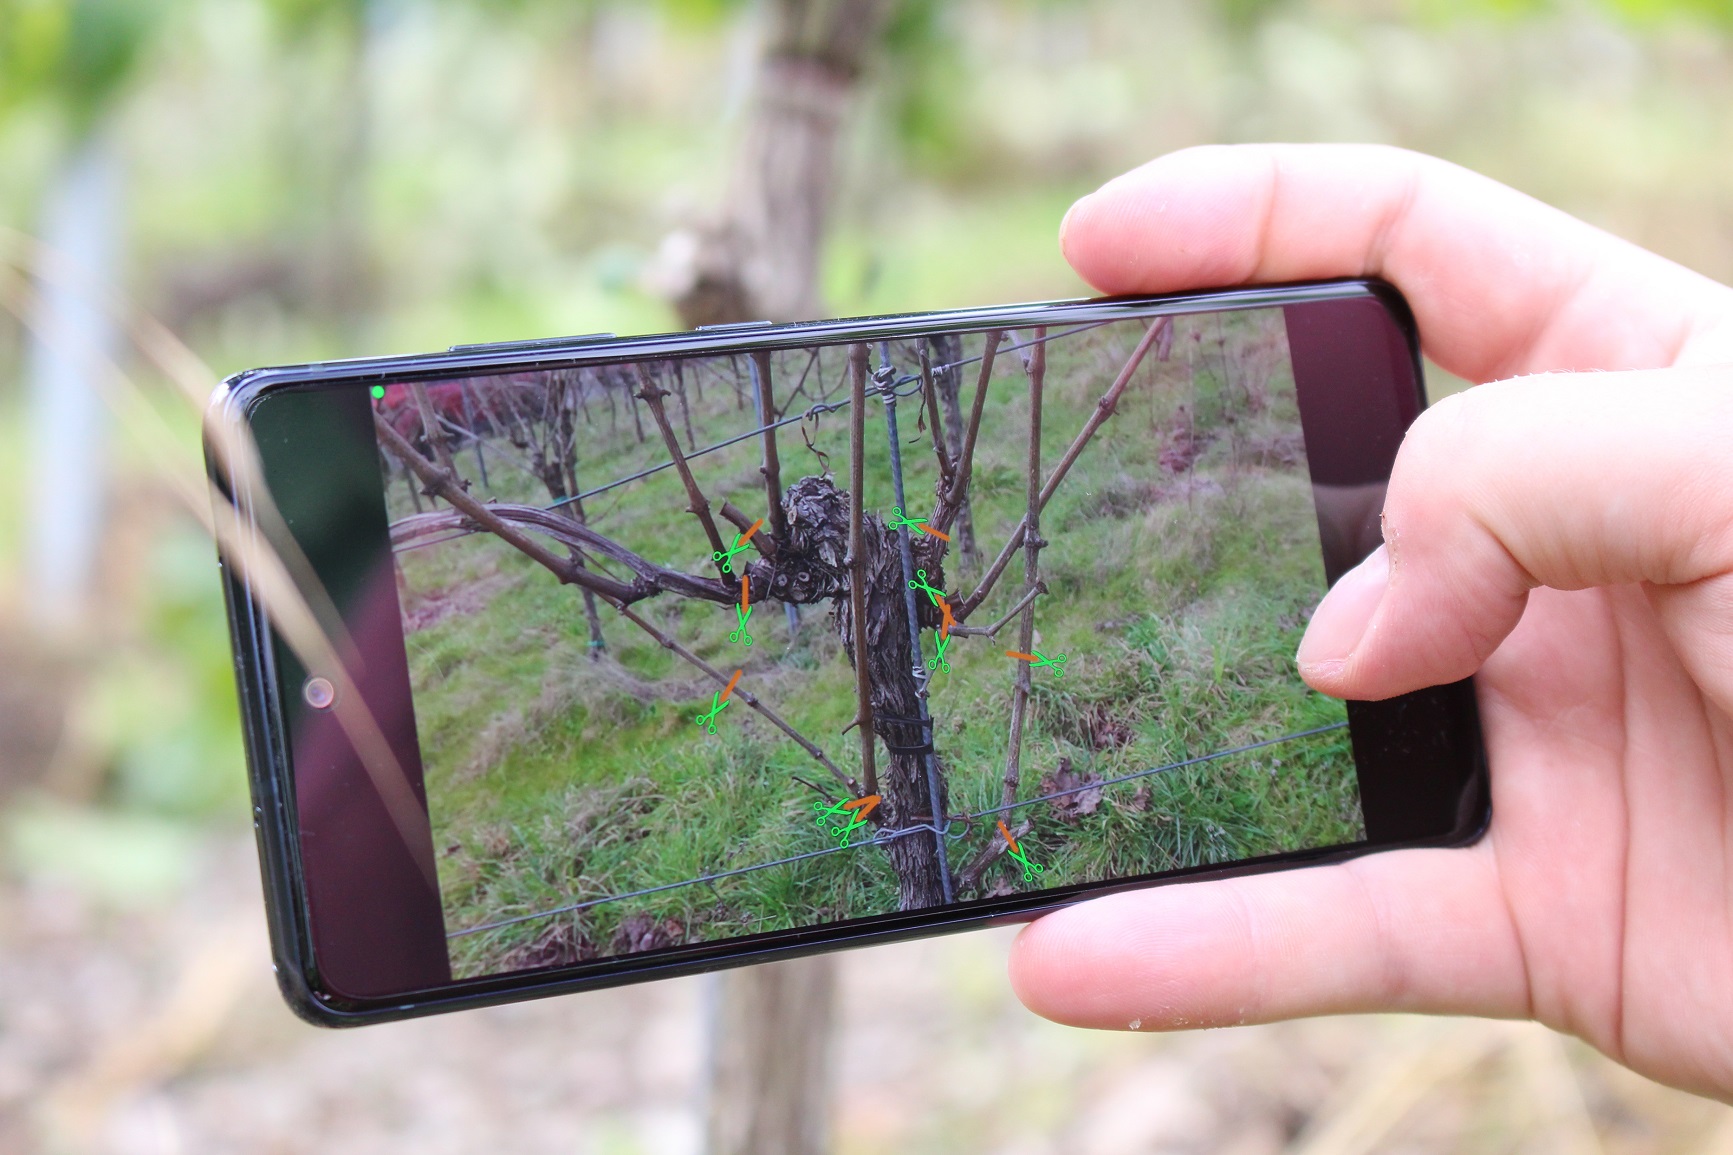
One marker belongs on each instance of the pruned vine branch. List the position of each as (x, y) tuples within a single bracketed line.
[(1104, 408), (743, 693), (653, 579), (444, 483), (1037, 368), (736, 517), (430, 427), (993, 630), (857, 367), (771, 467), (698, 506), (951, 500), (995, 849), (930, 391)]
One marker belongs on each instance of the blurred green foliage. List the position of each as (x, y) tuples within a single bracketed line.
[(73, 54)]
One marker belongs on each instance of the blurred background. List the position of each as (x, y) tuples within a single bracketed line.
[(293, 180)]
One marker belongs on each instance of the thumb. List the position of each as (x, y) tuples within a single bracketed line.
[(1568, 481)]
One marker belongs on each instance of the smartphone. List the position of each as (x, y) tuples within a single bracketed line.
[(644, 656)]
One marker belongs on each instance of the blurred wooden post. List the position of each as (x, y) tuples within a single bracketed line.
[(759, 259), (770, 1059)]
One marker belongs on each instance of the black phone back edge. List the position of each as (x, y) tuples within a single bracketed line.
[(269, 773)]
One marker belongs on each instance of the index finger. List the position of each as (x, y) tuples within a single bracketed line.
[(1500, 283)]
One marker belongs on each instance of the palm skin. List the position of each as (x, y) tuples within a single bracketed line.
[(1568, 537)]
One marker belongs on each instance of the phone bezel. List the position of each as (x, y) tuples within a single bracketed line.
[(265, 729)]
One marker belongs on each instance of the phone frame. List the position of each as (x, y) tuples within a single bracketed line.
[(270, 771)]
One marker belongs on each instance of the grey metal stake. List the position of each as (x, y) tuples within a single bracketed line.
[(884, 378)]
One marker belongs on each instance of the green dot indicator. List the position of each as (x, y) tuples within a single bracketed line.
[(379, 393)]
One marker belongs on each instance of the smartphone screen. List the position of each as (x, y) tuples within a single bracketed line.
[(659, 691)]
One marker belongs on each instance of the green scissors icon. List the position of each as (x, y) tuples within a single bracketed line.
[(853, 814), (738, 633), (740, 540), (727, 559), (918, 524), (939, 661), (853, 822), (1030, 869), (717, 704), (898, 521), (834, 810), (1057, 663), (1038, 659), (920, 583)]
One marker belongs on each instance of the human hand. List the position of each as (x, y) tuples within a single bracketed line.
[(1568, 536)]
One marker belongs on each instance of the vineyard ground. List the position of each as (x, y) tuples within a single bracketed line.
[(1178, 591)]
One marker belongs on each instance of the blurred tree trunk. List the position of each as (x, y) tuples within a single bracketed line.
[(770, 1052), (760, 259)]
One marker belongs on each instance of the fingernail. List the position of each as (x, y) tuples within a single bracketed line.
[(1340, 621)]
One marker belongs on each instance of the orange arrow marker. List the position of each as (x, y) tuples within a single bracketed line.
[(731, 683), (1007, 834), (948, 621), (747, 536), (862, 806), (745, 592), (938, 533), (1021, 657)]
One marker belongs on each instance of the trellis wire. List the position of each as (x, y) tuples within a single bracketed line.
[(904, 386), (891, 835)]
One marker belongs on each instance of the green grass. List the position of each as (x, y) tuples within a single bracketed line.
[(1177, 594)]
